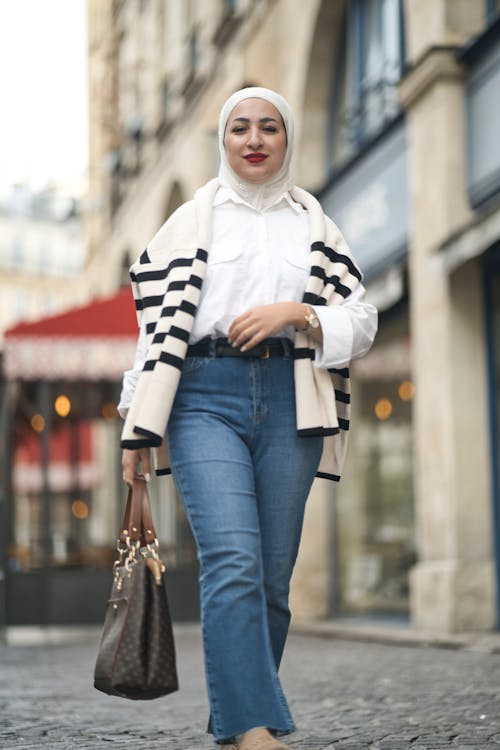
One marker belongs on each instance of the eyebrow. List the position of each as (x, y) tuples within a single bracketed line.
[(262, 119)]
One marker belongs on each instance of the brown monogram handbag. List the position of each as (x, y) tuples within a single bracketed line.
[(136, 657)]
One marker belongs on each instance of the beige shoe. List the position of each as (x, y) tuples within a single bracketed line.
[(259, 739)]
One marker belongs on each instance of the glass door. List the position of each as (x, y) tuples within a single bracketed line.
[(66, 500), (492, 303), (374, 508)]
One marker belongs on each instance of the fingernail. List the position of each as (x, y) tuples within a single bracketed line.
[(243, 349), (233, 344), (147, 477)]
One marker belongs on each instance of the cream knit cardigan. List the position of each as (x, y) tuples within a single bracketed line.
[(166, 282)]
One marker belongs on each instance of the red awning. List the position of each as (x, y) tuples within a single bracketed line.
[(93, 342)]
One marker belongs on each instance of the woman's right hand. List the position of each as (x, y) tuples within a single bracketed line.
[(131, 460)]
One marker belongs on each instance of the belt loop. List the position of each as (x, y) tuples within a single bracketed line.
[(287, 348), (212, 348)]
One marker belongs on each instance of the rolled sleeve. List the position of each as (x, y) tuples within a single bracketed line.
[(348, 330)]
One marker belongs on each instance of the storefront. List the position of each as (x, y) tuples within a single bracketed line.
[(62, 493), (492, 299), (483, 158), (374, 538), (477, 247)]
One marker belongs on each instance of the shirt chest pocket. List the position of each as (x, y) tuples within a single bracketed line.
[(296, 269), (225, 253), (225, 272)]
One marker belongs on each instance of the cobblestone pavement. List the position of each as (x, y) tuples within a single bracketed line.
[(344, 696)]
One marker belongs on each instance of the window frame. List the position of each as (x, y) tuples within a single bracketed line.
[(349, 67)]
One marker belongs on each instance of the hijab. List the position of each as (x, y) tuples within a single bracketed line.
[(264, 194)]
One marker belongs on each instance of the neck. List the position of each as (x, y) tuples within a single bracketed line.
[(260, 196)]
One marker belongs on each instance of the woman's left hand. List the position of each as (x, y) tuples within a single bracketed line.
[(264, 321)]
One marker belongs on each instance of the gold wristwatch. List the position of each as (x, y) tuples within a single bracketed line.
[(311, 319)]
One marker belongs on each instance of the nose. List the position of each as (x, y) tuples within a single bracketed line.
[(254, 137)]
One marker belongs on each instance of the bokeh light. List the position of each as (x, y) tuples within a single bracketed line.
[(406, 390), (80, 509), (383, 409), (38, 423), (62, 405), (109, 411)]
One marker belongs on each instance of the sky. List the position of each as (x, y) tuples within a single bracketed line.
[(43, 96)]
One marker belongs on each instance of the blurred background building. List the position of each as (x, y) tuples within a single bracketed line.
[(397, 106), (42, 249)]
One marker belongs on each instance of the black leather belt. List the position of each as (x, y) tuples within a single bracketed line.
[(221, 348)]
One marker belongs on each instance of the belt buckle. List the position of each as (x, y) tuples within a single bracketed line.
[(266, 354)]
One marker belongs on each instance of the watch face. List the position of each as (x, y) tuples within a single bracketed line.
[(312, 320)]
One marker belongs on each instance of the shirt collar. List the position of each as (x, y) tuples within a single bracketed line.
[(226, 195)]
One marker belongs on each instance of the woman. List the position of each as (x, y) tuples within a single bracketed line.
[(251, 308)]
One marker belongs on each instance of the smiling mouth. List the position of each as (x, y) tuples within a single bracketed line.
[(255, 158)]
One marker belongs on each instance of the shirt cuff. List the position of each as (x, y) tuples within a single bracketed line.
[(130, 378), (336, 349)]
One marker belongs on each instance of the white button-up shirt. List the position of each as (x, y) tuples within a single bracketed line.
[(258, 258)]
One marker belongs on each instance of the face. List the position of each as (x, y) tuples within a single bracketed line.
[(255, 140)]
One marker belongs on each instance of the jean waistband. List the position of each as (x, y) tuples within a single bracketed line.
[(271, 347)]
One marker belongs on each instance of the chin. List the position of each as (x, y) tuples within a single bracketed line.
[(254, 179), (257, 182)]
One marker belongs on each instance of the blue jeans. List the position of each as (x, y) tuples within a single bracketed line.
[(243, 475)]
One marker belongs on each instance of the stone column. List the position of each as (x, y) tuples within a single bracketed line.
[(452, 585)]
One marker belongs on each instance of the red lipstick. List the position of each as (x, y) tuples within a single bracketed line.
[(255, 158)]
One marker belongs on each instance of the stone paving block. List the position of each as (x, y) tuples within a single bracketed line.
[(344, 696)]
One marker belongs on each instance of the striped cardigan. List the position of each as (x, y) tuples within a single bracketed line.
[(166, 282)]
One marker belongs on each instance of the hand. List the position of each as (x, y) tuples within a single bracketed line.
[(263, 321), (131, 460)]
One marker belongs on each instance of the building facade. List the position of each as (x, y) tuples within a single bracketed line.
[(41, 250), (397, 114), (41, 261)]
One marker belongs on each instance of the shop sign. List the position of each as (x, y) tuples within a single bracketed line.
[(370, 204)]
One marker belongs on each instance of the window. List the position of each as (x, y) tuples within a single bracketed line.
[(228, 22), (166, 99), (368, 69), (492, 308), (194, 52), (492, 9), (18, 252), (125, 269), (374, 527)]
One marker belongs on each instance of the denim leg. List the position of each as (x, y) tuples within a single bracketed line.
[(213, 471), (282, 488), (243, 476), (284, 466)]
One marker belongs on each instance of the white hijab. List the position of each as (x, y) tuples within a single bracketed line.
[(265, 194)]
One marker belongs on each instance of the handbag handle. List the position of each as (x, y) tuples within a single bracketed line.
[(137, 524)]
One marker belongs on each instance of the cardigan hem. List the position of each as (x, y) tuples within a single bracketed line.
[(324, 475), (136, 444), (319, 474), (318, 431), (152, 439)]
